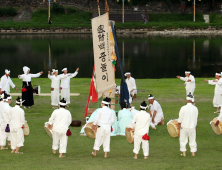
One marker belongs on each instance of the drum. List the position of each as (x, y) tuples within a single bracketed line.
[(172, 128), (89, 132), (26, 130), (130, 135), (48, 130), (218, 129)]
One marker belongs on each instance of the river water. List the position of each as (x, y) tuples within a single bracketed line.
[(145, 56)]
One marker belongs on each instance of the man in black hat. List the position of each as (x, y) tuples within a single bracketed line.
[(60, 119), (103, 120)]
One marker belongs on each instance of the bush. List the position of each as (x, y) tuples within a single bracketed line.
[(57, 8), (10, 11), (72, 11)]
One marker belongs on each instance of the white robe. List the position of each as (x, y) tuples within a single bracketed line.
[(65, 85), (156, 107), (28, 78), (6, 83), (55, 84), (1, 120), (190, 86), (217, 101), (131, 84), (104, 120), (141, 122), (16, 122), (188, 118), (60, 119), (6, 112)]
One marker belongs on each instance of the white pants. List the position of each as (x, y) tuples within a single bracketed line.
[(65, 93), (4, 136), (131, 95), (158, 118), (60, 141), (17, 138), (102, 138), (184, 135), (217, 101), (145, 145), (190, 91), (55, 97)]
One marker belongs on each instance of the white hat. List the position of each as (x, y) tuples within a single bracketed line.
[(7, 71), (187, 72), (64, 69), (54, 70), (127, 73), (25, 69)]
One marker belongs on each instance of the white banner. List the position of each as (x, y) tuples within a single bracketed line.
[(104, 71)]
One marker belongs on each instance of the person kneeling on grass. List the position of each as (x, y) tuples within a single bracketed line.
[(141, 121), (103, 120), (16, 126), (60, 119)]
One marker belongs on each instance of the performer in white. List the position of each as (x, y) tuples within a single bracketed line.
[(6, 112), (187, 123), (16, 126), (1, 118), (60, 119), (27, 92), (189, 82), (55, 86), (141, 122), (65, 84), (6, 82), (155, 111), (131, 84), (217, 101), (103, 120)]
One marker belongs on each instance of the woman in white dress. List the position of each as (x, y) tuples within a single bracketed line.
[(55, 86), (27, 89)]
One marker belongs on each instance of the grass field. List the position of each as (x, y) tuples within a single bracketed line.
[(164, 150)]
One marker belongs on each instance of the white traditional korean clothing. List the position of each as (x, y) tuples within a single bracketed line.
[(220, 116), (188, 118), (16, 123), (131, 84), (5, 84), (217, 101), (65, 85), (1, 120), (60, 119), (6, 112), (55, 84), (104, 120), (159, 115), (190, 86), (141, 122)]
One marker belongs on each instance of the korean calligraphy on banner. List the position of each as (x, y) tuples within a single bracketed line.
[(104, 71)]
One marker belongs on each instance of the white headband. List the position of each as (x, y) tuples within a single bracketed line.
[(190, 98), (217, 74), (193, 99), (8, 98), (104, 102), (142, 107), (64, 69), (7, 71), (54, 70), (187, 72), (149, 98), (127, 73), (20, 102), (62, 104)]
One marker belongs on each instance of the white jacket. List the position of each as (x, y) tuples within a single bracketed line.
[(131, 84), (6, 83), (218, 86), (191, 84), (56, 80), (17, 117), (65, 83)]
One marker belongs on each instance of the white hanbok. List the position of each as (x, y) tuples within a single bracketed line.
[(55, 85), (159, 115), (65, 85), (188, 118), (190, 86), (104, 120), (6, 116), (60, 119), (16, 123), (5, 84), (217, 101), (1, 120), (131, 84), (141, 122)]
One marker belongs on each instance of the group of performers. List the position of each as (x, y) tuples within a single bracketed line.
[(104, 119)]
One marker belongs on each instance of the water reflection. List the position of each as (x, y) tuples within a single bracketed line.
[(146, 56)]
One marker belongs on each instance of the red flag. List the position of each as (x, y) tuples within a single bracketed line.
[(92, 92)]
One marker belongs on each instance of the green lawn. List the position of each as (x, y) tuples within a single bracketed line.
[(164, 150), (74, 19)]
